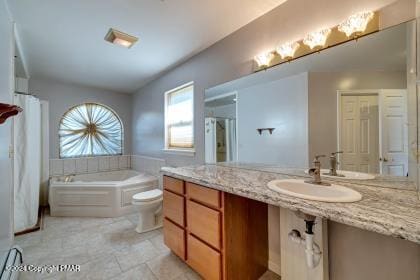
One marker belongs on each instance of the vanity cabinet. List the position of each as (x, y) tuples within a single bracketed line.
[(219, 235)]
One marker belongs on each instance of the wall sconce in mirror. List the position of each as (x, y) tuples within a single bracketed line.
[(287, 50), (270, 130), (356, 23), (317, 39), (264, 59), (7, 111)]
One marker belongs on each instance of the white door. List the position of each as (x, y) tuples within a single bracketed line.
[(394, 132), (358, 134)]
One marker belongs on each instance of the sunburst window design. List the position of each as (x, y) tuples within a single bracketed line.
[(90, 129)]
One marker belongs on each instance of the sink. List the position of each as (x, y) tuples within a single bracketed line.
[(298, 188), (351, 175)]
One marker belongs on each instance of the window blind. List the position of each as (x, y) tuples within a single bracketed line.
[(179, 118)]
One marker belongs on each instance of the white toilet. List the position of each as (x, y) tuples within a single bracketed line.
[(150, 206)]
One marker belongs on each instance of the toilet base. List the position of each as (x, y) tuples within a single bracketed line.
[(149, 223), (140, 230)]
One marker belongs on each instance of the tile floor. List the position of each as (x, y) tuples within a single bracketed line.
[(106, 248)]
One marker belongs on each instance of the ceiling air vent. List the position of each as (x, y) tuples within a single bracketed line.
[(120, 38)]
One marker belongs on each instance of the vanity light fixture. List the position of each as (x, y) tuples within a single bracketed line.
[(120, 38), (287, 50), (356, 23), (264, 59), (317, 39)]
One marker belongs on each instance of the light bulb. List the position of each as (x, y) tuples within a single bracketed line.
[(356, 23), (317, 38), (264, 59), (287, 49)]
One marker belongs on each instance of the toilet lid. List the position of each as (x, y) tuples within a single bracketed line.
[(148, 196)]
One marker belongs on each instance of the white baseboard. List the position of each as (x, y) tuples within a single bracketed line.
[(274, 267)]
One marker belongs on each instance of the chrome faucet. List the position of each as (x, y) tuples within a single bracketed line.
[(316, 172), (333, 164)]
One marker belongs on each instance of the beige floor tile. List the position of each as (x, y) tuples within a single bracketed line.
[(167, 267), (106, 248), (30, 239), (157, 241), (104, 268), (76, 255), (140, 272), (136, 255)]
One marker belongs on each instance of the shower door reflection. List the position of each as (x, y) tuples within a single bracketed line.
[(220, 129)]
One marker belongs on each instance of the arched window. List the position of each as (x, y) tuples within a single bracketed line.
[(90, 129)]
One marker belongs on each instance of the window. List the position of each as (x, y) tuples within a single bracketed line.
[(179, 118), (90, 130)]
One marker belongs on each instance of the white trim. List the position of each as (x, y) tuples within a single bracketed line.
[(166, 147), (180, 152), (220, 96), (274, 267), (20, 52)]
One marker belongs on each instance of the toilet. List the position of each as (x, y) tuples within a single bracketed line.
[(150, 207)]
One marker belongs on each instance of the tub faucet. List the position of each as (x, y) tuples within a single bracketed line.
[(316, 172), (333, 164)]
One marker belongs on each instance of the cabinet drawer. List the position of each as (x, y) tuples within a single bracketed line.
[(173, 207), (205, 223), (205, 195), (203, 259), (174, 238), (174, 185)]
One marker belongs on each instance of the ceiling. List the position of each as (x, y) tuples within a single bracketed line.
[(64, 40), (382, 51)]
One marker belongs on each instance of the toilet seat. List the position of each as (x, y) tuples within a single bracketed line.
[(147, 196)]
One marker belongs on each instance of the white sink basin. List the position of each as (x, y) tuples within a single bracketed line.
[(351, 175), (298, 188)]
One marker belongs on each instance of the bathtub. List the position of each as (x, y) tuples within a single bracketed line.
[(103, 194)]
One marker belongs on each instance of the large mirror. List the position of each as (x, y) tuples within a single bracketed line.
[(356, 98)]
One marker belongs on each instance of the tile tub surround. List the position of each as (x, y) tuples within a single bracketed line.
[(106, 248), (383, 210), (59, 167), (147, 164)]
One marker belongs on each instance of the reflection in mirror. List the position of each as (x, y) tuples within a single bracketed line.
[(220, 128), (355, 98)]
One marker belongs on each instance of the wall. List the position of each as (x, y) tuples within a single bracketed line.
[(282, 104), (223, 111), (63, 96), (323, 88), (6, 89), (230, 59)]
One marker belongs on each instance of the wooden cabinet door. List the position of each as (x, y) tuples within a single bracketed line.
[(173, 185), (204, 195), (173, 207), (203, 259), (174, 238), (205, 223)]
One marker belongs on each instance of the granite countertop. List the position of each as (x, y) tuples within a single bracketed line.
[(394, 212), (382, 181)]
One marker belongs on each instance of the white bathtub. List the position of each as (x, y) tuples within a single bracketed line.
[(103, 194)]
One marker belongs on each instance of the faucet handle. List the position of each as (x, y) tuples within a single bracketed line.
[(318, 156), (336, 153)]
